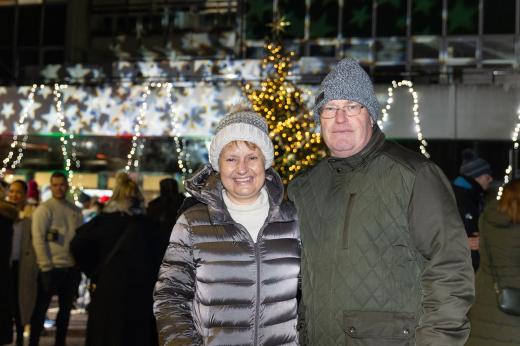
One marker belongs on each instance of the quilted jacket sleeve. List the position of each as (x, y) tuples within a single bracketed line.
[(175, 289), (447, 280)]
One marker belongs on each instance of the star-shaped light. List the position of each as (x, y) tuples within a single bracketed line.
[(7, 110), (279, 24)]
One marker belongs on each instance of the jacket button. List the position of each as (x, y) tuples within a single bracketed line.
[(352, 330), (406, 331), (339, 170)]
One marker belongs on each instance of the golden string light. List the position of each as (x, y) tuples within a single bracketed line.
[(509, 169), (415, 110), (21, 128)]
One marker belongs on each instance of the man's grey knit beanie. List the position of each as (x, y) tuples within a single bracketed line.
[(246, 126), (347, 81)]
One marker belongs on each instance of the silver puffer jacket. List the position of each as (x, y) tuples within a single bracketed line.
[(216, 285)]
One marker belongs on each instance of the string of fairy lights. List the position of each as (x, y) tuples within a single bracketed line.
[(423, 144), (183, 157), (516, 145), (133, 157), (21, 128), (67, 139)]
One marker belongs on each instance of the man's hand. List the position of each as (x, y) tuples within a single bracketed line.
[(474, 241)]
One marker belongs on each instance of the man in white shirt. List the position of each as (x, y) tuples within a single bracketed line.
[(53, 227)]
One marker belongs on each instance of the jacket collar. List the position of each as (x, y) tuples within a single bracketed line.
[(206, 186), (371, 150)]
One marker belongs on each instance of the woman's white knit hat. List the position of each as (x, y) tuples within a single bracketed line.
[(246, 126)]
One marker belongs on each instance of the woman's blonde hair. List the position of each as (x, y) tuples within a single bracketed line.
[(509, 203), (126, 193)]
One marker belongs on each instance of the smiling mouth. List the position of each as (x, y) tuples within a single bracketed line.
[(245, 180)]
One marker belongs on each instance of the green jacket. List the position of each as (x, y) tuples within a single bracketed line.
[(501, 237), (385, 255)]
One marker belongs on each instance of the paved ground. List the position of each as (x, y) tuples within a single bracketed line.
[(76, 332)]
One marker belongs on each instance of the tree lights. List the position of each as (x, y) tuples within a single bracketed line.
[(291, 126)]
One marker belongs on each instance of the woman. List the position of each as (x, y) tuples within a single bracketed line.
[(118, 250), (230, 273), (23, 260), (499, 228)]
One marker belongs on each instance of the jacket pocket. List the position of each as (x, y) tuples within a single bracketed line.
[(374, 328)]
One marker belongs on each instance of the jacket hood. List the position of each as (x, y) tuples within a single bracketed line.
[(205, 185)]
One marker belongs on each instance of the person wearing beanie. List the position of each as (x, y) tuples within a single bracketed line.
[(469, 187), (386, 260), (230, 273)]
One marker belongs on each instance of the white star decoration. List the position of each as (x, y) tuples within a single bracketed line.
[(7, 109)]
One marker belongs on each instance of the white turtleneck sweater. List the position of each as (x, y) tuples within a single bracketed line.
[(251, 216)]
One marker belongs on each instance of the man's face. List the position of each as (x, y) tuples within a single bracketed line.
[(345, 135), (484, 180), (17, 194), (59, 187)]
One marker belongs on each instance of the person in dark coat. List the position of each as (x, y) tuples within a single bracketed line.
[(119, 251), (230, 273), (469, 187), (164, 208), (499, 227), (8, 214)]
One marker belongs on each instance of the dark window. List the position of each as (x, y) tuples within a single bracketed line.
[(324, 18), (259, 13), (6, 25), (294, 12), (29, 25), (54, 25), (426, 17), (357, 18), (54, 56), (463, 17), (499, 19), (391, 18)]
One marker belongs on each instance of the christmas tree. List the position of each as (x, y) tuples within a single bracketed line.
[(281, 102)]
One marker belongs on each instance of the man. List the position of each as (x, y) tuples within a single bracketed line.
[(53, 227), (385, 258), (469, 187)]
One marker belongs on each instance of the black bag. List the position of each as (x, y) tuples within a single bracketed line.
[(508, 298)]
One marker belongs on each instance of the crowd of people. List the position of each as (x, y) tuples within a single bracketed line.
[(371, 246)]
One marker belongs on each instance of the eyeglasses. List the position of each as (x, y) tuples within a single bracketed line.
[(352, 110)]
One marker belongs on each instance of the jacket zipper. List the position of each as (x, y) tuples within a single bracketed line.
[(257, 307)]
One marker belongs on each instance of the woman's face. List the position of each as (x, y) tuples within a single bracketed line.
[(17, 194), (242, 172)]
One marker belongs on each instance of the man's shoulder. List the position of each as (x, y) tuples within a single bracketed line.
[(308, 173), (404, 157)]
